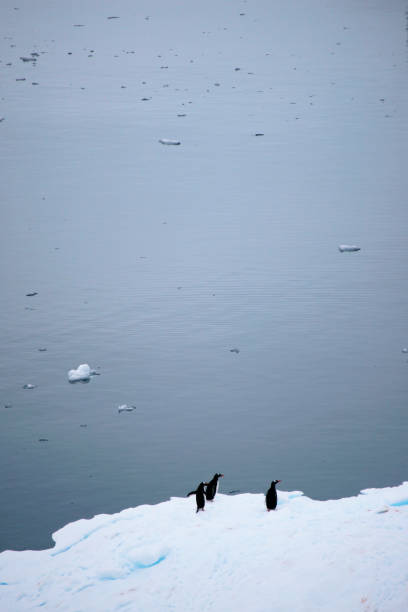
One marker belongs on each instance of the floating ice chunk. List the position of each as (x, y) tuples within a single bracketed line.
[(234, 350), (168, 141), (404, 350), (29, 386), (126, 408), (82, 373), (348, 248), (31, 294)]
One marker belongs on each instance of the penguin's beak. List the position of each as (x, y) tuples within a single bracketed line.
[(221, 475), (279, 481)]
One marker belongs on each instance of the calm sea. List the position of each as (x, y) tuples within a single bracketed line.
[(151, 262)]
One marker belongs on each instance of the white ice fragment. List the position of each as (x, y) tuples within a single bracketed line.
[(404, 350), (83, 372), (348, 248), (126, 408), (168, 141)]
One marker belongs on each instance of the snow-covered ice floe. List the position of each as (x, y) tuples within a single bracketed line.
[(82, 373), (340, 555), (348, 248)]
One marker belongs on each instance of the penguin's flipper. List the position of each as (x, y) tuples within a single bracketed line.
[(191, 493)]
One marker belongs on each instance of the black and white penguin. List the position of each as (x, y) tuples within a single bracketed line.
[(271, 496), (199, 493), (212, 487)]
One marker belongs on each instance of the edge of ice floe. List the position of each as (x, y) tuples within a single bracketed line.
[(377, 499)]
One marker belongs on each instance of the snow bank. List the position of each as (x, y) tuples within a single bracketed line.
[(342, 555)]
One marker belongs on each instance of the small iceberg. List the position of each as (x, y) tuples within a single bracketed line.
[(168, 141), (82, 374), (126, 408), (348, 248)]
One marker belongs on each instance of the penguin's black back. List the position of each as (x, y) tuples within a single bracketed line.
[(200, 498), (211, 489), (271, 496)]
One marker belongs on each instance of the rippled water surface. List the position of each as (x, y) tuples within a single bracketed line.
[(152, 262)]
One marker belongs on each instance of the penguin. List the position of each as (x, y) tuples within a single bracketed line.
[(212, 487), (271, 496), (199, 493)]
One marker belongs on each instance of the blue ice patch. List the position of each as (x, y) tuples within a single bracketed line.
[(86, 586), (139, 565), (132, 567), (85, 537), (403, 502)]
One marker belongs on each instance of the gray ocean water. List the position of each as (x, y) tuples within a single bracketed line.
[(152, 262)]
